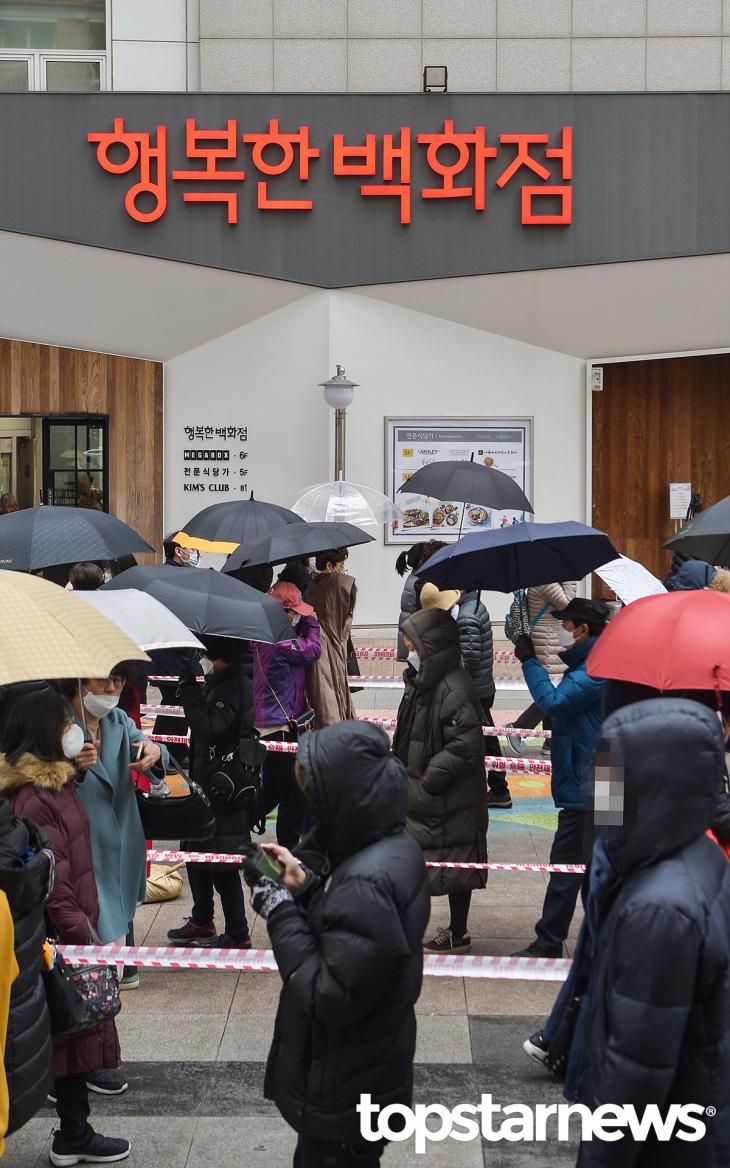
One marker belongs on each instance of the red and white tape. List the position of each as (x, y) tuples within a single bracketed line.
[(378, 653), (163, 856), (263, 960)]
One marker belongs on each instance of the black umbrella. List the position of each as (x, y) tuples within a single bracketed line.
[(296, 539), (208, 602), (223, 526), (39, 537), (707, 537), (467, 482), (520, 556)]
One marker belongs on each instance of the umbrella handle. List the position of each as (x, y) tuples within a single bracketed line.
[(87, 737)]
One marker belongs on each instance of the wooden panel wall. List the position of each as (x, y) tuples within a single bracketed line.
[(658, 422), (46, 380)]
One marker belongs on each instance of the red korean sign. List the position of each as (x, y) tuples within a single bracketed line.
[(226, 164)]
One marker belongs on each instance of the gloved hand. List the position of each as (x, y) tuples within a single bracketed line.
[(524, 648), (268, 894)]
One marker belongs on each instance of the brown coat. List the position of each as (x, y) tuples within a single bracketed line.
[(332, 595), (545, 632), (45, 792), (439, 737)]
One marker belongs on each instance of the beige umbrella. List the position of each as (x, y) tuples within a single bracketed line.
[(47, 632)]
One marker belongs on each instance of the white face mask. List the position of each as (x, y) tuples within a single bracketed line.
[(206, 664), (566, 638), (100, 704), (414, 660), (72, 742)]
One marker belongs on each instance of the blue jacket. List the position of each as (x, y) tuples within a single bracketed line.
[(118, 845), (575, 708)]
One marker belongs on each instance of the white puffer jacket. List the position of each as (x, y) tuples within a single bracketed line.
[(545, 632)]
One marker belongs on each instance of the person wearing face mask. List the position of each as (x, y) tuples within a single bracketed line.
[(39, 779), (439, 738), (220, 714), (332, 595), (112, 748), (279, 678), (575, 708)]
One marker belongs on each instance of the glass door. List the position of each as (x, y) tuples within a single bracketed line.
[(75, 470)]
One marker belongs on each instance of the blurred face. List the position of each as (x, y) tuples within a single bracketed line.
[(189, 557), (579, 633), (294, 617)]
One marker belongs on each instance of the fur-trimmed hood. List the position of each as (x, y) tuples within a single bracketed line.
[(49, 776)]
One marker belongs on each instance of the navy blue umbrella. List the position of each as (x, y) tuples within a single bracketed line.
[(521, 556)]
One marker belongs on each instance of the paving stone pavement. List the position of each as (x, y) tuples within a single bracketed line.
[(194, 1042)]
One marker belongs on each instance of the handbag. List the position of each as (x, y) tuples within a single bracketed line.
[(517, 622), (79, 999), (176, 816), (163, 883)]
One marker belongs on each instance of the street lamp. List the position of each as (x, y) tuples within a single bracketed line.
[(339, 392)]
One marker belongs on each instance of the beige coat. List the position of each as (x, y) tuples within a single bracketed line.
[(332, 595), (545, 632)]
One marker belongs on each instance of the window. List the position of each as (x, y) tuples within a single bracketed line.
[(54, 45), (74, 466)]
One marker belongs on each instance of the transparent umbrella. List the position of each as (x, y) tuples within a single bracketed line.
[(344, 502)]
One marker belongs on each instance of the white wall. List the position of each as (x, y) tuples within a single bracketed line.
[(265, 375), (409, 363), (150, 49)]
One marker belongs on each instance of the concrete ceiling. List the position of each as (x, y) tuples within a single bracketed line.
[(610, 310), (84, 297), (89, 298)]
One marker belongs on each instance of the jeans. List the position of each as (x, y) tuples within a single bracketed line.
[(226, 880), (530, 718), (313, 1153), (72, 1105), (280, 788), (571, 845)]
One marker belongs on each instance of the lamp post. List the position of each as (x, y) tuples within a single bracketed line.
[(339, 392)]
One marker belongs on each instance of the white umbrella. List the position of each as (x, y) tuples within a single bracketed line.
[(629, 579), (344, 502), (142, 618)]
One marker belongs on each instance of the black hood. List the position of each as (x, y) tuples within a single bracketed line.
[(436, 637), (670, 754), (357, 789)]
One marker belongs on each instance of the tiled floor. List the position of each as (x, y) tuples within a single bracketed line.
[(195, 1042)]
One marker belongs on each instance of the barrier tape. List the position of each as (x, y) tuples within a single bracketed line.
[(384, 682), (374, 653), (161, 856), (511, 766), (263, 960)]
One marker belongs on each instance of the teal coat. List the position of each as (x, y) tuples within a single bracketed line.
[(118, 847)]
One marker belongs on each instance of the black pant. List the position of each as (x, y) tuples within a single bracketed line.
[(530, 718), (312, 1153), (72, 1105), (171, 724), (459, 904), (570, 845), (281, 789), (226, 880), (496, 780)]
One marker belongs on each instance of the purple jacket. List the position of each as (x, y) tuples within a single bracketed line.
[(283, 668)]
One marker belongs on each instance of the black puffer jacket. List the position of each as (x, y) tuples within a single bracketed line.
[(349, 947), (439, 737), (477, 644), (661, 1023), (28, 1045), (219, 714)]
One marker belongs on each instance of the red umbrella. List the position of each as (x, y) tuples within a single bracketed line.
[(680, 640)]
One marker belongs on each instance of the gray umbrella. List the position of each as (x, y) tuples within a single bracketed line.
[(40, 537), (468, 482), (707, 537)]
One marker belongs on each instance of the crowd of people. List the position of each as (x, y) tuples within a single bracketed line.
[(345, 891)]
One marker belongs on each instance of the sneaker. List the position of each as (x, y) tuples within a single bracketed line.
[(515, 745), (227, 942), (92, 1149), (536, 1047), (107, 1082), (545, 750), (129, 979), (444, 941), (194, 935), (535, 950), (499, 799)]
